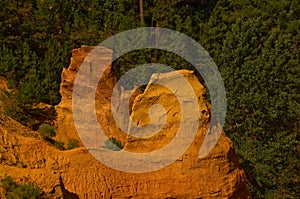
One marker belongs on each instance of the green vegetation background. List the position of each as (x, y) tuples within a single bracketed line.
[(253, 42)]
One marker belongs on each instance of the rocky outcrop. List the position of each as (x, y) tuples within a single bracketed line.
[(80, 175), (65, 126), (66, 129), (77, 174)]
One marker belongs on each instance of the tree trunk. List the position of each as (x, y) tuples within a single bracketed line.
[(142, 11)]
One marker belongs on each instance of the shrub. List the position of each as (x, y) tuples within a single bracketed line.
[(13, 190), (59, 145), (72, 144), (113, 144), (46, 131)]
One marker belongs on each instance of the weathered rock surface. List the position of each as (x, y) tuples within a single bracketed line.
[(77, 174), (66, 129), (65, 126)]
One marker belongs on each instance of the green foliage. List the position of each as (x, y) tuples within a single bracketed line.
[(59, 145), (259, 62), (10, 107), (140, 57), (113, 144), (13, 190), (46, 131), (72, 144)]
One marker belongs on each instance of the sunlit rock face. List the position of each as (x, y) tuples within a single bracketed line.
[(77, 174)]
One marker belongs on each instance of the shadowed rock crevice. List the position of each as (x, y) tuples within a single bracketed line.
[(67, 194)]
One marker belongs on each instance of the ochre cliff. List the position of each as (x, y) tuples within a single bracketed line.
[(66, 129), (77, 174), (65, 126)]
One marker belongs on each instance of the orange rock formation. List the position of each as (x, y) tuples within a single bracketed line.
[(77, 174)]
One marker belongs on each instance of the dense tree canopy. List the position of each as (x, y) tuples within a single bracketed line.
[(253, 42)]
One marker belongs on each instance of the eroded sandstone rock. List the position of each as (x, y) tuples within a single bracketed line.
[(77, 174), (65, 125)]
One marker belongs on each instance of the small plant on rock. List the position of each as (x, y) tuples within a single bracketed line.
[(46, 131), (72, 144), (113, 144), (13, 190), (59, 145)]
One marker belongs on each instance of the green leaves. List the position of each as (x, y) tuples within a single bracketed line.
[(113, 144), (258, 65), (13, 190), (72, 144), (46, 131)]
